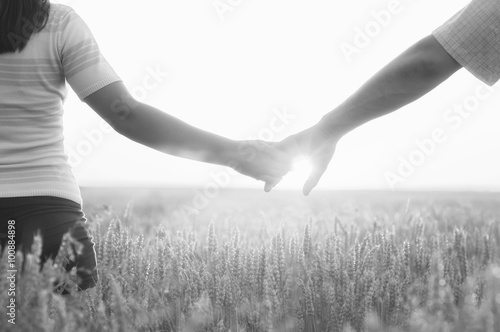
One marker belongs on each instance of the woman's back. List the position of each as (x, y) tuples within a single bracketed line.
[(32, 90)]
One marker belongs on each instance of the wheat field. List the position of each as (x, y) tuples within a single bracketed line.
[(338, 261)]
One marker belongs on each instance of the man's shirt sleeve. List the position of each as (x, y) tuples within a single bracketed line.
[(472, 38)]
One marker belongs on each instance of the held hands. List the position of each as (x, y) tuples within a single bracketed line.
[(262, 161), (314, 144), (269, 162)]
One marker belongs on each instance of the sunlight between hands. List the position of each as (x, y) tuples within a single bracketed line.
[(314, 144), (262, 161), (270, 161)]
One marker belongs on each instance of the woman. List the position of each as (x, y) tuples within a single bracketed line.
[(42, 45)]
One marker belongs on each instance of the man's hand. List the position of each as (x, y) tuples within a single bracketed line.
[(262, 161), (314, 144), (408, 77)]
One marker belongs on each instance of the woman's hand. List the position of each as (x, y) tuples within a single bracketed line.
[(260, 160)]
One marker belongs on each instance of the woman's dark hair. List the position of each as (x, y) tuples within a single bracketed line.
[(19, 20)]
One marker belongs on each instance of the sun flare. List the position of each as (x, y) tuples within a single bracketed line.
[(302, 164), (301, 168)]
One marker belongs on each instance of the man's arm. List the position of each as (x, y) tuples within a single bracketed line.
[(408, 77)]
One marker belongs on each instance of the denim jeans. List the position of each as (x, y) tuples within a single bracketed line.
[(53, 217)]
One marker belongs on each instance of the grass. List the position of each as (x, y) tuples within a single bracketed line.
[(250, 262)]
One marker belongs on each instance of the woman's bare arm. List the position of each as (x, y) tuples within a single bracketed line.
[(158, 130)]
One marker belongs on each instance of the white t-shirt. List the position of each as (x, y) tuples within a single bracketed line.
[(32, 92)]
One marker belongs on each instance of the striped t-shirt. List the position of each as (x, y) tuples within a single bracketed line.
[(32, 92), (472, 38)]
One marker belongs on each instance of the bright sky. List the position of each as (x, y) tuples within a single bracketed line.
[(236, 67)]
